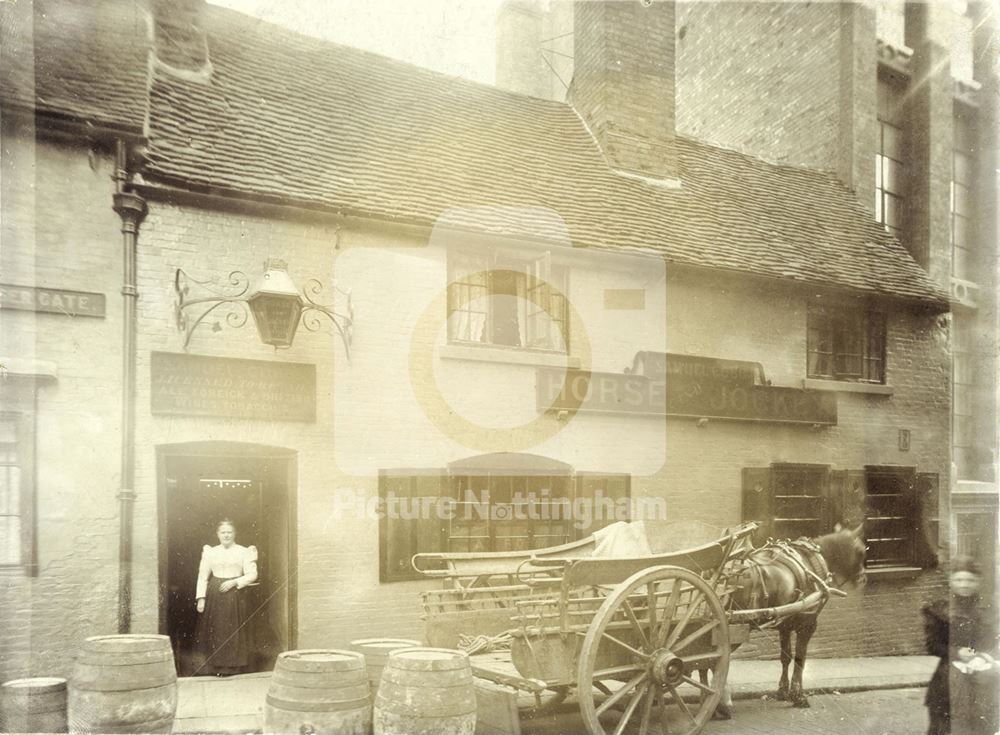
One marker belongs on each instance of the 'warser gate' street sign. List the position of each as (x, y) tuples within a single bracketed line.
[(691, 393), (51, 300)]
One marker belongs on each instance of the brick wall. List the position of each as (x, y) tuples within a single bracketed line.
[(59, 232)]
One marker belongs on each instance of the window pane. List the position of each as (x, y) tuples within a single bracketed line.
[(10, 540), (891, 178), (892, 142), (892, 212)]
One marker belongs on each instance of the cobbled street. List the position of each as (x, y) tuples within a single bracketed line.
[(883, 712)]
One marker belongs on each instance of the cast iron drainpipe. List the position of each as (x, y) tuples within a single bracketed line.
[(132, 209)]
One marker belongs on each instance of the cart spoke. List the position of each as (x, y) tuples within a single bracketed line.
[(626, 646), (668, 613), (630, 710), (681, 703), (616, 671), (704, 687), (635, 622), (688, 639), (620, 694), (693, 604), (647, 710)]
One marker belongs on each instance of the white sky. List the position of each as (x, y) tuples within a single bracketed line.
[(453, 36)]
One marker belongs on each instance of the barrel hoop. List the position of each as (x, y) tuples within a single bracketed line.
[(409, 716), (34, 686), (362, 703), (162, 685)]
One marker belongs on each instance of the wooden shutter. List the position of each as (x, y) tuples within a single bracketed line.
[(927, 519), (757, 505), (403, 530), (593, 493)]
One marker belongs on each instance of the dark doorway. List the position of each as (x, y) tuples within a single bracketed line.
[(253, 487)]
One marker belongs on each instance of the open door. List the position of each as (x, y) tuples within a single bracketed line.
[(199, 486)]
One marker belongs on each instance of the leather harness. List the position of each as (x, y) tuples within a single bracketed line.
[(802, 558)]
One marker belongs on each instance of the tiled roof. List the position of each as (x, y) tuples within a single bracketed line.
[(82, 59), (292, 118)]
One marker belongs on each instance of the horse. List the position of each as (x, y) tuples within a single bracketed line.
[(783, 572)]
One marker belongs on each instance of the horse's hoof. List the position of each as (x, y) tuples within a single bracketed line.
[(722, 712), (802, 703), (782, 695)]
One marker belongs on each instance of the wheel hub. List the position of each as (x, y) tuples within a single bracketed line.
[(666, 668)]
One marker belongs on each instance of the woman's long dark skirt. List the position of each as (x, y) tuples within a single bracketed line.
[(221, 633)]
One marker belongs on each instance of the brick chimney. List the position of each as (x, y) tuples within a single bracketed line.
[(623, 82), (180, 44)]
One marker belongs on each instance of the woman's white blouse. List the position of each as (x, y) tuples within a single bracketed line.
[(236, 561)]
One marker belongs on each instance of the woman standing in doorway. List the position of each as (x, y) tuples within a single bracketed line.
[(223, 574)]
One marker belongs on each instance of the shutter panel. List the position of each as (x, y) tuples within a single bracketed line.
[(854, 499), (927, 488), (598, 498), (835, 499), (757, 501), (430, 491), (402, 530), (395, 536)]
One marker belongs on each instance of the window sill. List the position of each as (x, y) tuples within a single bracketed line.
[(511, 356), (844, 386), (886, 574)]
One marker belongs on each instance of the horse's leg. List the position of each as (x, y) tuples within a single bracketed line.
[(786, 658), (723, 710), (802, 636)]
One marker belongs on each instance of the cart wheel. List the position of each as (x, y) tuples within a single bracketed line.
[(638, 661)]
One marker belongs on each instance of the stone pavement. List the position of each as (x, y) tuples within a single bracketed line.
[(236, 704), (876, 712)]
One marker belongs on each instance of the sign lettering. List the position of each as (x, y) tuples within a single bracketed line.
[(51, 300), (234, 388), (680, 394)]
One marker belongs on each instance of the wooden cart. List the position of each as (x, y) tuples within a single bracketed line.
[(645, 642)]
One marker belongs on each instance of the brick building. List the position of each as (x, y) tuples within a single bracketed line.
[(733, 336)]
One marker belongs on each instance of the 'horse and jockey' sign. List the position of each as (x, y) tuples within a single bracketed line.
[(690, 393)]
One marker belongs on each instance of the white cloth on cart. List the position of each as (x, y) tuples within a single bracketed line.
[(647, 538)]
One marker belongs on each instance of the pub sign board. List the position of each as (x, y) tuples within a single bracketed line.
[(196, 385), (681, 395), (51, 300)]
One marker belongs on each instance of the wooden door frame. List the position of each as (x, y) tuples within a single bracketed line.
[(228, 450)]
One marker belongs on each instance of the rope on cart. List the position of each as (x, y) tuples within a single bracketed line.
[(473, 644)]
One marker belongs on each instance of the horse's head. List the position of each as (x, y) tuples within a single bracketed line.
[(844, 552)]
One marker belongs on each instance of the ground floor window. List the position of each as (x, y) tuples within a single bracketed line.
[(476, 509), (16, 491), (897, 505)]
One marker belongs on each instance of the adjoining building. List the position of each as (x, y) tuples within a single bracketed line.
[(529, 299)]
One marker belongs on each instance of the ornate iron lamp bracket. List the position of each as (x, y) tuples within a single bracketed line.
[(187, 322), (190, 311)]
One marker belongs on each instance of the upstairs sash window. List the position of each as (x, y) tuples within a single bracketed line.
[(846, 343), (507, 300)]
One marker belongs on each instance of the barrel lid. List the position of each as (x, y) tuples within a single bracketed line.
[(327, 659), (385, 643), (127, 642), (428, 659), (39, 684)]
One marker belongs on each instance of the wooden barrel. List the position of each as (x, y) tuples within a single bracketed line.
[(123, 684), (33, 705), (319, 691), (426, 691), (376, 652)]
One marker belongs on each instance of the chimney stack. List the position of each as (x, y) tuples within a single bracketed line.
[(623, 82)]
